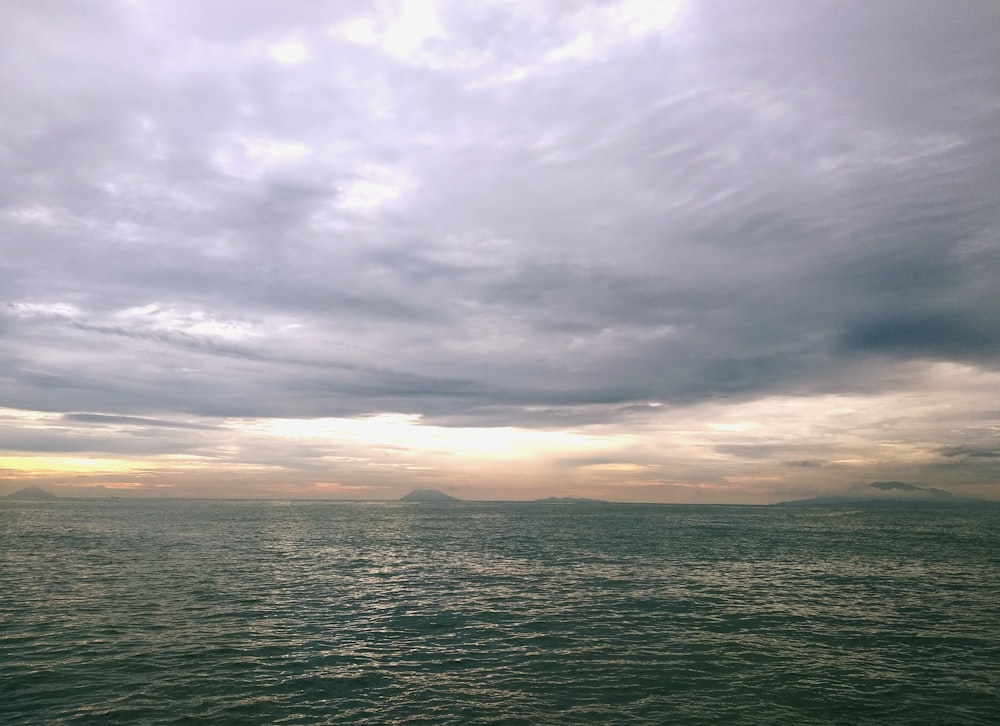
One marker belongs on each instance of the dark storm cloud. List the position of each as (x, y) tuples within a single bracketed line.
[(490, 225)]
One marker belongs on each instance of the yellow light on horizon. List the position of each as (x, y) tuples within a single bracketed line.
[(67, 464)]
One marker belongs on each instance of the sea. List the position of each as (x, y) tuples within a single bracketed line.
[(268, 612)]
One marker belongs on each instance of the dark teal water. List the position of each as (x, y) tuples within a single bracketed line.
[(195, 612)]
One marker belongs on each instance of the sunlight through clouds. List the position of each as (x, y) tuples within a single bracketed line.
[(626, 249), (406, 433)]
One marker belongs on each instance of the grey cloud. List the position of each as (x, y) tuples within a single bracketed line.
[(972, 452), (104, 419), (744, 210), (953, 336), (102, 435)]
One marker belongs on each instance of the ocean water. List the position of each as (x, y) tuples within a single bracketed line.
[(218, 612)]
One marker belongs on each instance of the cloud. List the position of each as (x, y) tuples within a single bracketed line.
[(500, 215), (97, 418), (973, 452)]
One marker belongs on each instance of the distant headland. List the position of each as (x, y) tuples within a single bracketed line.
[(31, 494), (891, 495)]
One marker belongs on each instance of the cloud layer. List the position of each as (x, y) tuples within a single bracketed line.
[(506, 216)]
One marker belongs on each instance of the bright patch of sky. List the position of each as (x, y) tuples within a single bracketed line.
[(289, 52)]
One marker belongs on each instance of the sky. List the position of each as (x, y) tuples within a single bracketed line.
[(638, 250)]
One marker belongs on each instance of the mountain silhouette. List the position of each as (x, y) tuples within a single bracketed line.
[(892, 494), (428, 495), (31, 494)]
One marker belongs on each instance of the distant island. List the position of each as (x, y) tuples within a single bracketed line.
[(570, 500), (892, 494), (31, 494), (435, 495), (428, 495)]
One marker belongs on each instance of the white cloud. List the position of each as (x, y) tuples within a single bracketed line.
[(399, 28), (288, 52), (251, 157), (372, 187)]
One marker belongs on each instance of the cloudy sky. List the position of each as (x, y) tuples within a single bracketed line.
[(643, 250)]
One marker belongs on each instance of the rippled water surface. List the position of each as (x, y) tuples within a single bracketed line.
[(392, 613)]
